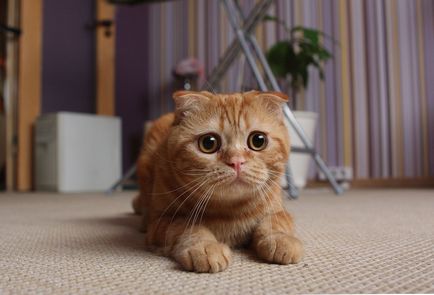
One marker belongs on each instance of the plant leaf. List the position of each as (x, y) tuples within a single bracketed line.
[(314, 31), (324, 54), (268, 17), (272, 18), (279, 57), (311, 35)]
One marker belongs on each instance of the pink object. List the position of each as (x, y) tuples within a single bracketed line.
[(190, 67)]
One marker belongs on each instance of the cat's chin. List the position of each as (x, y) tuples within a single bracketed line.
[(239, 181), (238, 187)]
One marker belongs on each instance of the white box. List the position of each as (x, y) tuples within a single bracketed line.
[(77, 152)]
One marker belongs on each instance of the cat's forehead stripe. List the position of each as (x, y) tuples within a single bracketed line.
[(234, 113), (240, 113)]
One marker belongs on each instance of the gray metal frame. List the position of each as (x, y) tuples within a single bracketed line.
[(245, 42), (243, 26)]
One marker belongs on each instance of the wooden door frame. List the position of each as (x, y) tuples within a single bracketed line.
[(105, 58), (11, 97), (29, 87)]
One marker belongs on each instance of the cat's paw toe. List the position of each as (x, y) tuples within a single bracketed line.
[(205, 257), (280, 248)]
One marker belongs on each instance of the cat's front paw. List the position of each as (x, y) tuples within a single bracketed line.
[(204, 257), (280, 248)]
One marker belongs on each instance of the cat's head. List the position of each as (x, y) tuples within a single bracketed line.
[(230, 143)]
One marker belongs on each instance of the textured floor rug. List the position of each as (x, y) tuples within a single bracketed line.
[(367, 241)]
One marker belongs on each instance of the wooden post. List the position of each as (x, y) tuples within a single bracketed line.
[(105, 59), (11, 96), (29, 87)]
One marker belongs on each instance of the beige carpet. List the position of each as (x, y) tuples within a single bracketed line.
[(367, 241)]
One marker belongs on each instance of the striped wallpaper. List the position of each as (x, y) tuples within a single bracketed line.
[(376, 105)]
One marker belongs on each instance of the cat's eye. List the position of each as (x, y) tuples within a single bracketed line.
[(257, 141), (209, 143)]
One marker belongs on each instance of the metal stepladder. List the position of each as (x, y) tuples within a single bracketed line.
[(246, 42)]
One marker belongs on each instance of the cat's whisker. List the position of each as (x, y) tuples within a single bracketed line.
[(263, 194), (197, 172), (182, 203), (269, 171), (194, 174), (278, 173), (196, 188), (199, 181), (197, 169), (177, 189), (267, 191), (173, 162), (274, 182), (196, 208), (206, 204), (274, 174), (253, 179)]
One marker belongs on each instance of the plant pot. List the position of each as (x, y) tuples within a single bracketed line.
[(300, 162)]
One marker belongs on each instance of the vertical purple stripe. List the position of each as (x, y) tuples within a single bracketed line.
[(373, 81), (394, 123), (330, 80), (337, 64), (291, 13), (312, 96), (407, 97), (213, 32), (173, 16), (359, 83), (416, 97), (201, 29), (428, 17), (382, 88)]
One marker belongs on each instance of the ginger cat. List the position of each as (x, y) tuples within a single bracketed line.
[(209, 180)]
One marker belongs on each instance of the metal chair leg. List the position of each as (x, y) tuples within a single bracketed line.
[(292, 189), (124, 178)]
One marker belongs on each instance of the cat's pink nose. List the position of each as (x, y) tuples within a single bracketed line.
[(236, 163)]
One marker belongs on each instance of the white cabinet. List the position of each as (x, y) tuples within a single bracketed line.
[(77, 152)]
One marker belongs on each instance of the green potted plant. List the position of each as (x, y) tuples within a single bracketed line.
[(290, 60)]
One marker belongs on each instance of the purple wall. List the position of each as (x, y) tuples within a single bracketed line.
[(132, 96), (69, 65), (68, 72)]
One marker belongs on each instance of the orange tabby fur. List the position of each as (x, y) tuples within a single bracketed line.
[(195, 206)]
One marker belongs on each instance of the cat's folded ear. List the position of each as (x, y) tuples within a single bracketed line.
[(186, 102), (273, 101)]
